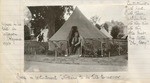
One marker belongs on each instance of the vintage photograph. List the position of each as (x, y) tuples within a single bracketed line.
[(67, 38)]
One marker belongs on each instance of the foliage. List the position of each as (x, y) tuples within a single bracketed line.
[(27, 33), (117, 45), (95, 19), (113, 49), (115, 31), (34, 47)]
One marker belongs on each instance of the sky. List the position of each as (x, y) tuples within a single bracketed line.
[(105, 12)]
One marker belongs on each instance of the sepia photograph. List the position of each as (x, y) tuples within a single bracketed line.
[(68, 38)]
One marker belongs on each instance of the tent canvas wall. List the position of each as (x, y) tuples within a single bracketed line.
[(86, 30), (106, 33)]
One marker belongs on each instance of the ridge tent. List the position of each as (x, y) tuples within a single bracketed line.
[(106, 33), (92, 38)]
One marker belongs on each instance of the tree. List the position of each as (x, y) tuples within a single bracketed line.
[(52, 16), (115, 31), (95, 19), (26, 33)]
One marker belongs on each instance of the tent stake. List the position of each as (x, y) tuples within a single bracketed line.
[(55, 55), (101, 49)]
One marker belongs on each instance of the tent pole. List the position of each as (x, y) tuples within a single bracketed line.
[(67, 48), (55, 54), (109, 54), (101, 49), (81, 48)]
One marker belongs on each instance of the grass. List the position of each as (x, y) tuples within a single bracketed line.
[(34, 47), (114, 60)]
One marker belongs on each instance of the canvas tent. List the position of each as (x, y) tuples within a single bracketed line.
[(106, 33), (86, 29)]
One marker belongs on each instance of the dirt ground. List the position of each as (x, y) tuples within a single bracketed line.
[(43, 63)]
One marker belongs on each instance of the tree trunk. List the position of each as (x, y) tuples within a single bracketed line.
[(51, 28), (51, 23)]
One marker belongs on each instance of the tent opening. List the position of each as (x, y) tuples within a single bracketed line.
[(74, 41)]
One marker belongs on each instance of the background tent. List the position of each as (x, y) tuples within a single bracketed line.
[(90, 34), (106, 33)]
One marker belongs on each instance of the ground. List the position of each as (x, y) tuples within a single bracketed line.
[(45, 63)]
